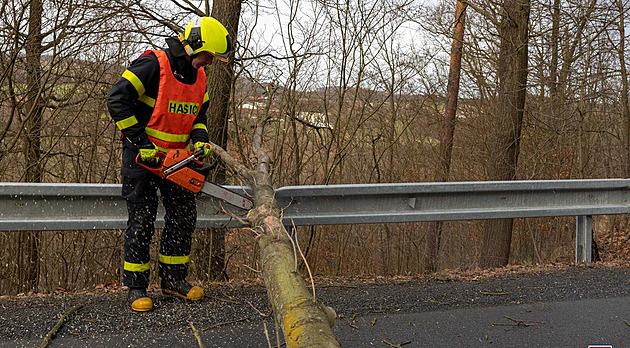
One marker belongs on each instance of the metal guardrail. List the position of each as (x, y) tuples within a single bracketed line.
[(26, 206)]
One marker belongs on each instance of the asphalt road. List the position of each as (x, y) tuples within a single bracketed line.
[(568, 307)]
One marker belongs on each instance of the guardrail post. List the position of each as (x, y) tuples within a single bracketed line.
[(584, 239)]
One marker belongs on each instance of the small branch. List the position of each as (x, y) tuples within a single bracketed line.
[(223, 323), (53, 331), (196, 333), (293, 242), (251, 269), (512, 325), (233, 216), (275, 320), (267, 335), (259, 312), (495, 293), (308, 124), (390, 344), (339, 286), (310, 275), (223, 300), (256, 232), (524, 321), (265, 55), (517, 322), (232, 163), (490, 16)]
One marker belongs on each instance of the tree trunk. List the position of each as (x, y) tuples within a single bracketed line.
[(32, 134), (624, 88), (504, 152), (448, 128), (304, 321), (553, 67), (220, 79)]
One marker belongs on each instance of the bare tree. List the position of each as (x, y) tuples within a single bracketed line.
[(448, 127), (625, 108), (512, 74)]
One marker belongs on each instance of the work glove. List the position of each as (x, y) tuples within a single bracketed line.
[(148, 152), (149, 155), (206, 147)]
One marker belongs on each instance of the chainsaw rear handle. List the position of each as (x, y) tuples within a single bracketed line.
[(162, 169), (198, 153), (153, 168)]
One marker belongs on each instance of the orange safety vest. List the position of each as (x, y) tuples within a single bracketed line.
[(176, 107)]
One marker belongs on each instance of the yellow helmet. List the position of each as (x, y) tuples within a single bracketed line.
[(207, 34)]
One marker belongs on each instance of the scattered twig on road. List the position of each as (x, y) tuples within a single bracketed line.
[(224, 300), (223, 323), (53, 331), (495, 293), (269, 340), (390, 344), (437, 302), (196, 333), (339, 286), (259, 312), (351, 320), (524, 321), (275, 320), (518, 322), (267, 335), (627, 323)]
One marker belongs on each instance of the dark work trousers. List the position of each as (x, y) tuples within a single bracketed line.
[(180, 219)]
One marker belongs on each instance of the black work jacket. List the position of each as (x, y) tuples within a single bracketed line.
[(123, 103)]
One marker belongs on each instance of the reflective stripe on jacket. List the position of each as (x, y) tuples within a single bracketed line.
[(176, 107)]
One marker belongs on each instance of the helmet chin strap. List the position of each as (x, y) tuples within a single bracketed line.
[(187, 48)]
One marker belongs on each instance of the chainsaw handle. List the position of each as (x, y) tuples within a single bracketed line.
[(155, 169), (171, 168), (198, 153)]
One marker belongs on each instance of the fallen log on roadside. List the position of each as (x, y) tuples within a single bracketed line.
[(305, 321)]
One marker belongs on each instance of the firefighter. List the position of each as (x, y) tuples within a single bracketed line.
[(160, 103)]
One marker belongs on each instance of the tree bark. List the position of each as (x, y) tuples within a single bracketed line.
[(448, 128), (624, 87), (553, 66), (32, 133), (505, 149), (220, 77)]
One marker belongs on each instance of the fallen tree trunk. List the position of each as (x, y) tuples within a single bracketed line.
[(305, 321)]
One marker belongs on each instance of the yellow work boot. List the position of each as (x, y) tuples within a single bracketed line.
[(183, 289), (140, 301)]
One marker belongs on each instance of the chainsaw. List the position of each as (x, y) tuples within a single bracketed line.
[(184, 168)]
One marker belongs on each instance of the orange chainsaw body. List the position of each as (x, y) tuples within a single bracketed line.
[(185, 177), (179, 166), (188, 179)]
